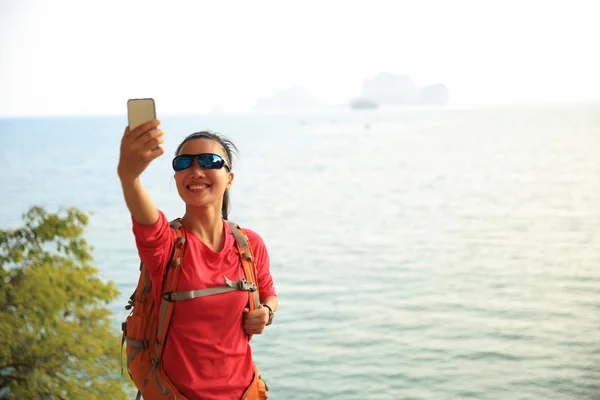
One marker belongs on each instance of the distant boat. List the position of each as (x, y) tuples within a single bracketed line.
[(363, 104)]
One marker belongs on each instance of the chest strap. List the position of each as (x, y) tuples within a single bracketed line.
[(229, 286)]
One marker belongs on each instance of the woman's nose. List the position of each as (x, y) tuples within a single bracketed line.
[(196, 169)]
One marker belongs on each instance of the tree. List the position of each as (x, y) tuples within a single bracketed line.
[(56, 337)]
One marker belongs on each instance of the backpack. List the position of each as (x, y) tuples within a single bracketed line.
[(145, 336)]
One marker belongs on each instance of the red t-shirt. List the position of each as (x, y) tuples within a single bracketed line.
[(207, 355)]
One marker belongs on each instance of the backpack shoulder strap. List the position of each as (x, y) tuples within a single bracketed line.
[(247, 257), (170, 282)]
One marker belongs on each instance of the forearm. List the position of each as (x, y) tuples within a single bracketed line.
[(138, 202)]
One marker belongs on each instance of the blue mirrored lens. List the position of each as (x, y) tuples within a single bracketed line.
[(212, 161), (182, 162)]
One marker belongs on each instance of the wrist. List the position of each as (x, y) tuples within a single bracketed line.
[(271, 314), (128, 181)]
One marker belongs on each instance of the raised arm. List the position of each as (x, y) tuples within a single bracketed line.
[(138, 148)]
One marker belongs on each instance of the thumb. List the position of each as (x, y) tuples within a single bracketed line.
[(246, 309)]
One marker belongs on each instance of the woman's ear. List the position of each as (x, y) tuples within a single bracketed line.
[(230, 177)]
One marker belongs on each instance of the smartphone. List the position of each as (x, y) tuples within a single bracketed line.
[(140, 111)]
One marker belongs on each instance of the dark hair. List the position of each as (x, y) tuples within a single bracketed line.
[(229, 149)]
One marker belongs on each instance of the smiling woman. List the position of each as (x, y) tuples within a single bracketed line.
[(207, 353)]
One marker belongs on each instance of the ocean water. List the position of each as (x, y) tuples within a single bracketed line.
[(417, 253)]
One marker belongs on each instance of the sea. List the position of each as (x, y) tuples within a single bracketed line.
[(418, 253)]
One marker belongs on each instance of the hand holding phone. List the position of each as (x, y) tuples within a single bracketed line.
[(138, 149)]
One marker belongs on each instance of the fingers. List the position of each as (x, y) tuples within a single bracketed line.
[(156, 152), (147, 141), (139, 147), (153, 138), (143, 128), (259, 314), (254, 329), (255, 320)]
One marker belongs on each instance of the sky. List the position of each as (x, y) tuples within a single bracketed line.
[(88, 57)]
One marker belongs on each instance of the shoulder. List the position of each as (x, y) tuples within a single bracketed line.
[(151, 231), (254, 238), (259, 249), (256, 241)]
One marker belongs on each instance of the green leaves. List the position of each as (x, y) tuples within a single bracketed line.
[(56, 337)]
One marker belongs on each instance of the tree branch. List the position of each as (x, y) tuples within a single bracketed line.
[(15, 366), (15, 378)]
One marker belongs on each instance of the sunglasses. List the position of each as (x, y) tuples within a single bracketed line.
[(205, 160)]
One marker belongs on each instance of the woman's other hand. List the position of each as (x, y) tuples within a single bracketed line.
[(255, 320)]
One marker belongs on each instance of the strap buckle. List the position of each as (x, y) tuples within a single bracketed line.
[(247, 286), (168, 296)]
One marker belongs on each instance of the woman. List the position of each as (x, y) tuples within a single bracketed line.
[(207, 355)]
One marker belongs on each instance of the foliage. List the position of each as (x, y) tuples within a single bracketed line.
[(56, 337)]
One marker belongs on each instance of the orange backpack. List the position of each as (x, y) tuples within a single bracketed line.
[(145, 335)]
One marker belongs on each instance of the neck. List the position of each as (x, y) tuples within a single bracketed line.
[(207, 224)]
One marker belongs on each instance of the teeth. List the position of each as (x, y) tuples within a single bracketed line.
[(196, 187)]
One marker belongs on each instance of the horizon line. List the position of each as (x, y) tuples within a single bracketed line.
[(316, 109)]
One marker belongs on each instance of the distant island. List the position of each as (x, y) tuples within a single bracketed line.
[(384, 89), (389, 89), (363, 103)]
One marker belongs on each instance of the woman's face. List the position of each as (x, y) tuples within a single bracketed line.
[(201, 187)]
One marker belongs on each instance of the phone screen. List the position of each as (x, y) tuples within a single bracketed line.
[(140, 111)]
